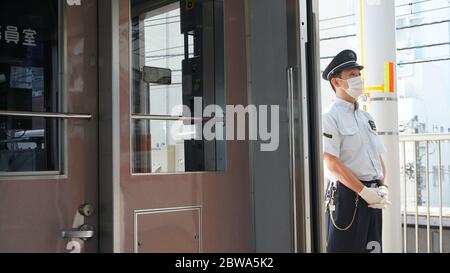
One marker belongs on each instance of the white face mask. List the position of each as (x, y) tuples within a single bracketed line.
[(355, 87)]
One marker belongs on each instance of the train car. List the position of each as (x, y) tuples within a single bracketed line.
[(103, 110)]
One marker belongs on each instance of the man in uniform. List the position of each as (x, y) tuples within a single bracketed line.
[(356, 193)]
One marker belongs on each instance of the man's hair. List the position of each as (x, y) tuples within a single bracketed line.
[(335, 75)]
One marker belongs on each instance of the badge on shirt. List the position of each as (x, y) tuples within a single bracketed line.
[(372, 125)]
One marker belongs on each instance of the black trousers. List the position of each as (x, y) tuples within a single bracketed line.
[(364, 235)]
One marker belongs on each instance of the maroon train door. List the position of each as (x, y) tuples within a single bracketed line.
[(48, 126), (180, 191)]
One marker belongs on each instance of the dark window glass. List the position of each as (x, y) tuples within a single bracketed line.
[(29, 83), (177, 57)]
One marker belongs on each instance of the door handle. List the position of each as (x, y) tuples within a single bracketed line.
[(85, 232), (45, 115)]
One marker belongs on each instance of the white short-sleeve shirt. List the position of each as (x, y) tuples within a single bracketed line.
[(351, 135)]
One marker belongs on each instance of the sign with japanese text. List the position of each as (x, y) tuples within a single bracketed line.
[(11, 34)]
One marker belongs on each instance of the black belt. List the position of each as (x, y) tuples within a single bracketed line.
[(371, 184)]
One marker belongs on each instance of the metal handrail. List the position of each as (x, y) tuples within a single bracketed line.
[(424, 137), (173, 118), (45, 115), (427, 138)]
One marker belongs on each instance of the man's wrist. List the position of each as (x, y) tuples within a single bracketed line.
[(360, 188), (381, 183)]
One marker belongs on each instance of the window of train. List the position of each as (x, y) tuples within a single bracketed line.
[(177, 70), (28, 69)]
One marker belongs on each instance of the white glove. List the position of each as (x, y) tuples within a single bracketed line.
[(384, 191), (382, 205), (371, 195)]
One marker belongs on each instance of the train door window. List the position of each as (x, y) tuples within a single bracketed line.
[(177, 64), (29, 84)]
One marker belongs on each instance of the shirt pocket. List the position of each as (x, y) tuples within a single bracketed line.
[(348, 131), (348, 127), (350, 141)]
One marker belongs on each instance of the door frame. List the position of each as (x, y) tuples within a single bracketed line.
[(109, 126), (304, 68), (312, 54)]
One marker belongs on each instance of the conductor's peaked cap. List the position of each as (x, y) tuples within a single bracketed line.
[(344, 60)]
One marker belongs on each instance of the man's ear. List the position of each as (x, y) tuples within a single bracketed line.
[(335, 83)]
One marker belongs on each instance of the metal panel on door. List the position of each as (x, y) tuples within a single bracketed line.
[(168, 230)]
